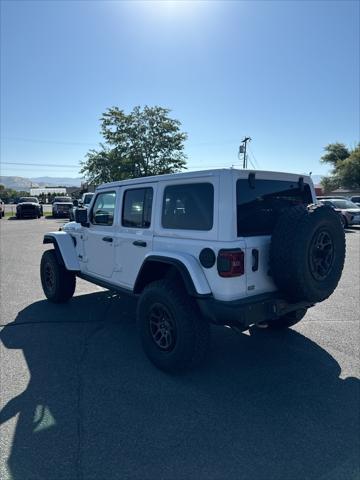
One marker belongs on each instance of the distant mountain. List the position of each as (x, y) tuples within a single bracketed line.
[(66, 181), (23, 183)]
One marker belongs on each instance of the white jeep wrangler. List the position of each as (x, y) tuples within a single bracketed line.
[(229, 247)]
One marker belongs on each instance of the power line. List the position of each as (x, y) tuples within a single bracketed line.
[(252, 153), (40, 165), (41, 140)]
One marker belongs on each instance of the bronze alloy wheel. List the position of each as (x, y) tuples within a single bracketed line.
[(162, 327), (49, 277), (321, 255)]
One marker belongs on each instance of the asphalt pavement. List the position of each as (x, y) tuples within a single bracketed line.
[(80, 401)]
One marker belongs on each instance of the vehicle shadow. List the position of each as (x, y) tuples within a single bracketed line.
[(264, 406)]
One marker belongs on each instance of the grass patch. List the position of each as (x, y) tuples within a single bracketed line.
[(13, 214)]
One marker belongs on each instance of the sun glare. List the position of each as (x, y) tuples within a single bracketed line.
[(175, 8)]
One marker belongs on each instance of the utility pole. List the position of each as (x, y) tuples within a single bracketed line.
[(242, 149)]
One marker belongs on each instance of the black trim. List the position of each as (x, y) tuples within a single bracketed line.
[(251, 180), (53, 240), (301, 184), (247, 311), (104, 284), (139, 243), (185, 275)]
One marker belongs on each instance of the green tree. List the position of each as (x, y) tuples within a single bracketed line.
[(335, 153), (142, 143), (349, 170), (346, 167)]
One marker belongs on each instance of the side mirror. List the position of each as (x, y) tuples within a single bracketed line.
[(76, 203), (81, 216)]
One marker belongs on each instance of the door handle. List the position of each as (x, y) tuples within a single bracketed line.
[(107, 239), (139, 243)]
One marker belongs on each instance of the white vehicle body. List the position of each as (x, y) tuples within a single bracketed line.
[(119, 261), (230, 247)]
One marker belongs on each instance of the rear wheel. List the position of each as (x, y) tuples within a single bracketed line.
[(57, 282), (174, 335)]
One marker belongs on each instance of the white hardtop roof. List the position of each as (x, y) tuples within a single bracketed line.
[(261, 174)]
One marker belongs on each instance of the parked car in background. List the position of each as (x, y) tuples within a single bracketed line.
[(355, 199), (83, 202), (349, 212), (2, 208), (61, 207), (28, 207)]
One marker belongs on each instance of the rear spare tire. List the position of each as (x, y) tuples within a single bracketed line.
[(307, 252)]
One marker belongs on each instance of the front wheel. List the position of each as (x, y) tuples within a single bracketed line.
[(174, 335), (57, 282)]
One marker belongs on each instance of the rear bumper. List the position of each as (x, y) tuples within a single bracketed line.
[(61, 214), (246, 312)]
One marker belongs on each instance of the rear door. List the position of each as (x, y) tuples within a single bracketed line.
[(135, 237)]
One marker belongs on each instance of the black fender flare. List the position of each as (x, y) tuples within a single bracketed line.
[(144, 273)]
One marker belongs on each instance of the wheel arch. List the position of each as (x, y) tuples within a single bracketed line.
[(156, 267), (64, 249)]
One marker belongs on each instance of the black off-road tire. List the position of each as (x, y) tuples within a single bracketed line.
[(57, 282), (287, 320), (307, 252), (18, 216), (183, 343)]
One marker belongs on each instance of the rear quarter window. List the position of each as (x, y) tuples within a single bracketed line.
[(259, 205), (188, 207)]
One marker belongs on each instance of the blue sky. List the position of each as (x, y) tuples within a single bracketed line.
[(286, 73)]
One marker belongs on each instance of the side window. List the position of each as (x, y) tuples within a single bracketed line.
[(102, 212), (137, 207), (188, 207)]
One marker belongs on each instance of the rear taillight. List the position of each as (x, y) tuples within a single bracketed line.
[(230, 263)]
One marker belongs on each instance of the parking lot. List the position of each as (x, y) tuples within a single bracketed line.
[(79, 400)]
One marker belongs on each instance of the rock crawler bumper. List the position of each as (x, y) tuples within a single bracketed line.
[(245, 312)]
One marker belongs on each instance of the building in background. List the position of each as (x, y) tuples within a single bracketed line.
[(36, 192)]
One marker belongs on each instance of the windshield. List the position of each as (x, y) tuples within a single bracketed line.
[(62, 199), (87, 198), (344, 204), (28, 199)]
